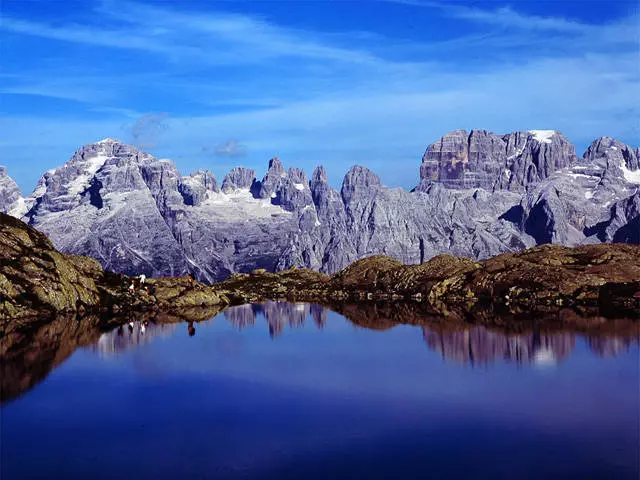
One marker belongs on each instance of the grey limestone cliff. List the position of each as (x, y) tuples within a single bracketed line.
[(482, 159)]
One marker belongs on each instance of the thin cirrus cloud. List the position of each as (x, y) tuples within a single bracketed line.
[(313, 97), (503, 16), (506, 16), (243, 33), (189, 37)]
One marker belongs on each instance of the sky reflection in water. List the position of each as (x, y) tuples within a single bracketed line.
[(290, 391)]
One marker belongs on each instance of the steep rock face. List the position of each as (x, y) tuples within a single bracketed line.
[(272, 179), (293, 193), (233, 232), (461, 160), (485, 160), (413, 227), (624, 225), (533, 156), (332, 222), (239, 178), (11, 200)]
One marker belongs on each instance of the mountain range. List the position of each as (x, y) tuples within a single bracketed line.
[(480, 194)]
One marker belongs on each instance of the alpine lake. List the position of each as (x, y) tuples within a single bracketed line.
[(298, 391)]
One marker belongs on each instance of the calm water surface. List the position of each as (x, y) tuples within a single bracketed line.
[(297, 391)]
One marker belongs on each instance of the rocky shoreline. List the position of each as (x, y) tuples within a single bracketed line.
[(603, 280)]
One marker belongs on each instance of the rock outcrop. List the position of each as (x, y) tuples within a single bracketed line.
[(35, 277), (605, 276)]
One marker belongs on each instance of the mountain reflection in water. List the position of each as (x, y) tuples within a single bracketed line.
[(132, 335), (293, 390), (28, 360), (469, 345)]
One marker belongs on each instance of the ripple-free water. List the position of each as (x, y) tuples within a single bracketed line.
[(297, 391)]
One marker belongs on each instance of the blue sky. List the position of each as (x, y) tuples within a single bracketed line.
[(218, 84)]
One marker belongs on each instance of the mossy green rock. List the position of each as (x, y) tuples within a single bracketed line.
[(35, 277)]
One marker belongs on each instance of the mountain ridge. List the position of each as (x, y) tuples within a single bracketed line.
[(480, 194)]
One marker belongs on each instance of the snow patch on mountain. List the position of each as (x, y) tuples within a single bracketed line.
[(81, 182), (19, 208), (543, 136), (238, 205), (631, 176)]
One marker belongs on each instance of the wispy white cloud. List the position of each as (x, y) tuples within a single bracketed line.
[(258, 38), (506, 16), (124, 38), (58, 87), (319, 99), (213, 38)]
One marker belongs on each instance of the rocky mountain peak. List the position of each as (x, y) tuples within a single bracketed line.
[(272, 179), (482, 159), (237, 179), (319, 175), (292, 191), (606, 150), (206, 178), (358, 181), (275, 165), (108, 147), (298, 176)]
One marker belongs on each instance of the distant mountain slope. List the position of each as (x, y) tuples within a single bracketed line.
[(480, 194), (11, 200)]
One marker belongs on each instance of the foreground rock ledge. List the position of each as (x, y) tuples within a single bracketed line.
[(36, 281)]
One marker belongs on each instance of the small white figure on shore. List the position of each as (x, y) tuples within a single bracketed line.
[(142, 278)]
